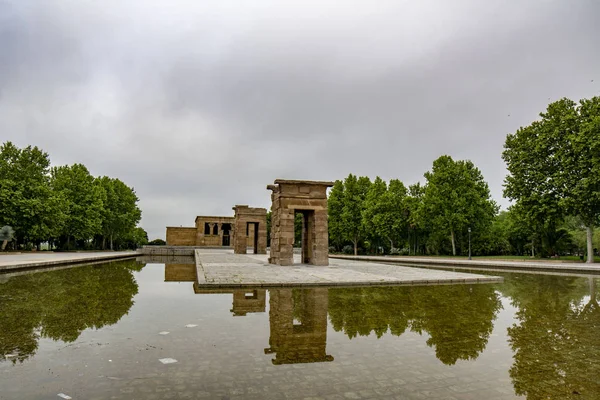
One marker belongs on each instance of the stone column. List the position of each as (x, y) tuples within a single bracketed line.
[(262, 237), (240, 244), (286, 237), (320, 238)]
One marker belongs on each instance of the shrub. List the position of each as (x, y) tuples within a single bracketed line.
[(348, 249), (332, 249), (394, 251)]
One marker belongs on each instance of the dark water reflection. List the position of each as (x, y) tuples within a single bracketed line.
[(61, 304), (535, 336), (458, 319)]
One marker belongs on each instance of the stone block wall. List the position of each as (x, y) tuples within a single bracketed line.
[(181, 236), (223, 225)]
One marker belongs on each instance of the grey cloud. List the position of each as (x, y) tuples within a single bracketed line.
[(199, 105)]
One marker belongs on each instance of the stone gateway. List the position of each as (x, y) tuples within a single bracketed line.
[(249, 220), (308, 198)]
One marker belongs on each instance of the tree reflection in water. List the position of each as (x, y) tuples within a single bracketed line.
[(458, 318), (556, 341), (61, 304)]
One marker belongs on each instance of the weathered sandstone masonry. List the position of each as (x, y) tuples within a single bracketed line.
[(250, 229), (209, 231), (181, 236), (212, 231), (308, 198)]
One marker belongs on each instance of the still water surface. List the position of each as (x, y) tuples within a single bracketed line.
[(99, 332)]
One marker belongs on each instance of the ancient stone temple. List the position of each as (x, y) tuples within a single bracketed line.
[(298, 322), (308, 198), (247, 220), (213, 231), (210, 231)]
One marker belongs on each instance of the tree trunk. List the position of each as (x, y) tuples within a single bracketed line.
[(453, 244), (103, 242), (416, 243), (590, 246), (532, 249), (355, 247), (111, 241), (391, 243), (4, 243)]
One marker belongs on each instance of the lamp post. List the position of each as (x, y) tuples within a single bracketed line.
[(469, 243)]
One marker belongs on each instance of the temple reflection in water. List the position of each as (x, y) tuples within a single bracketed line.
[(298, 321), (297, 317)]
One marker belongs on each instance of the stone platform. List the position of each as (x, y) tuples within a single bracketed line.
[(227, 270)]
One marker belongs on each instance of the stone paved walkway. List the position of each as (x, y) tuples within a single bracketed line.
[(225, 269), (46, 259)]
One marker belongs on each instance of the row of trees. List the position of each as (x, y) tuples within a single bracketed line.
[(64, 206), (554, 182), (434, 218)]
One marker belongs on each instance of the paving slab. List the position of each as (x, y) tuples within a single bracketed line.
[(10, 262), (227, 270)]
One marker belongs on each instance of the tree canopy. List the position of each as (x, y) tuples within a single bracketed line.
[(457, 198), (554, 166), (64, 205)]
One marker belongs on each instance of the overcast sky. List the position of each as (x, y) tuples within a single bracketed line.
[(200, 104)]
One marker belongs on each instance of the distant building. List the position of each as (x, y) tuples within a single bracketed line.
[(210, 231)]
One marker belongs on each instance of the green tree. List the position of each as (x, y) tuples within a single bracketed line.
[(335, 208), (385, 214), (355, 192), (28, 203), (120, 212), (456, 198), (554, 167), (414, 210), (373, 217), (133, 239), (84, 199)]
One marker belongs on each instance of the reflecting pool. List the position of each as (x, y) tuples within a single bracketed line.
[(126, 330)]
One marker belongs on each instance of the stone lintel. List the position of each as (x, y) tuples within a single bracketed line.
[(214, 218), (244, 210), (301, 182)]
